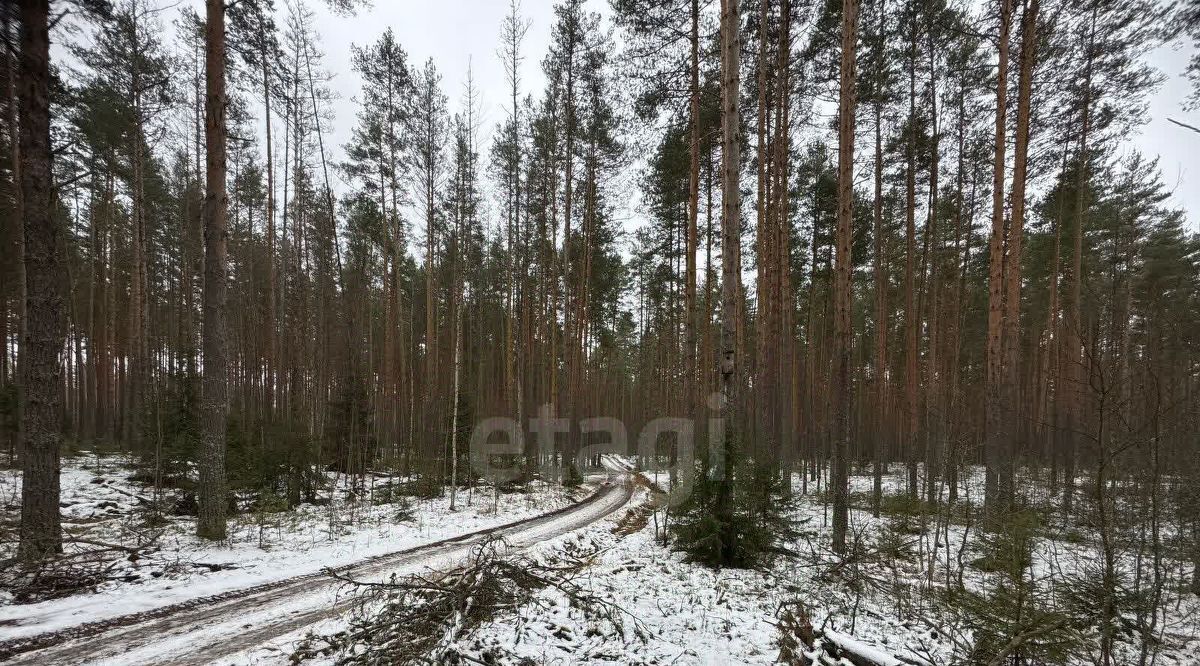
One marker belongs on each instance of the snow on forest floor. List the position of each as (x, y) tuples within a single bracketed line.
[(677, 612), (101, 505), (673, 612), (681, 613), (670, 611)]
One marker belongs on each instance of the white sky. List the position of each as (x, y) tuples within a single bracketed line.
[(459, 34), (1178, 149), (462, 33)]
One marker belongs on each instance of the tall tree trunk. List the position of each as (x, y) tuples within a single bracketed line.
[(1074, 386), (962, 240), (45, 302), (457, 314), (912, 318), (430, 302), (881, 286), (994, 431), (781, 285), (689, 305), (568, 348), (101, 365), (138, 286), (215, 401), (513, 366), (1050, 395), (1012, 273), (930, 289), (272, 277), (730, 270), (841, 285), (756, 399)]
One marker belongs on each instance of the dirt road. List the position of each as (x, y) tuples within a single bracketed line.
[(218, 628)]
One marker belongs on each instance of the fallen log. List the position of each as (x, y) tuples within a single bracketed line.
[(833, 648)]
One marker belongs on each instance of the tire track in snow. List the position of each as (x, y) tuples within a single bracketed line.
[(203, 630)]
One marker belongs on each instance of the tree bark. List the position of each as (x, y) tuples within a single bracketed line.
[(994, 431), (756, 400), (272, 274), (1074, 385), (569, 350), (215, 400), (45, 303), (137, 342), (689, 304), (730, 268), (1012, 273), (911, 315), (929, 308), (881, 285), (841, 285)]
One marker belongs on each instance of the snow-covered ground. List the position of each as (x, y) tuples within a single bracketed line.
[(683, 613), (101, 505), (677, 612), (671, 611)]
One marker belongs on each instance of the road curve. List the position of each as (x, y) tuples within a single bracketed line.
[(205, 630)]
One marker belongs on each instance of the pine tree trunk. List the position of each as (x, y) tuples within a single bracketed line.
[(730, 270), (842, 295), (761, 366), (511, 363), (1012, 273), (1074, 384), (689, 305), (962, 239), (930, 301), (45, 304), (215, 400), (430, 337), (911, 316), (271, 323), (136, 341), (881, 286), (99, 356), (568, 338), (994, 431), (454, 424), (783, 296)]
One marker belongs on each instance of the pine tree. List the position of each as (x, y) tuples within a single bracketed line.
[(376, 161), (429, 135), (731, 224), (842, 293), (45, 308), (215, 401)]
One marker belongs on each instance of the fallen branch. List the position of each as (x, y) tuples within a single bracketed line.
[(422, 618), (835, 646)]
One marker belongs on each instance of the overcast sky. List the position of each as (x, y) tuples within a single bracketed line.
[(459, 34), (1178, 149)]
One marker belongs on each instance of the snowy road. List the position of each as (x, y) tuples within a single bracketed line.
[(231, 626)]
